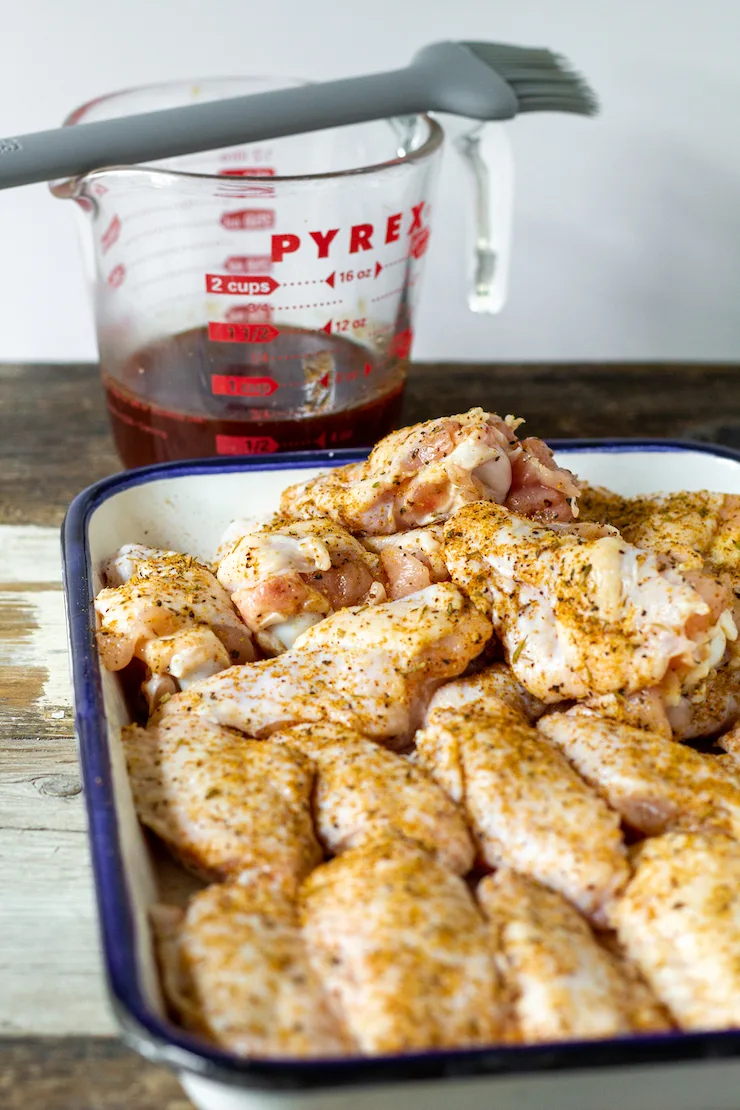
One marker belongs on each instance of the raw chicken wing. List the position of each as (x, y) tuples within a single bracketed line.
[(286, 576), (645, 709), (423, 473), (695, 533), (527, 807), (712, 705), (165, 596), (679, 920), (363, 791), (236, 970), (220, 802), (562, 984), (708, 707), (581, 615), (399, 943), (652, 782), (496, 683), (370, 669)]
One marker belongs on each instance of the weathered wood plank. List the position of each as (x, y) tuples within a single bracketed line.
[(54, 437), (40, 787), (49, 963), (82, 1073)]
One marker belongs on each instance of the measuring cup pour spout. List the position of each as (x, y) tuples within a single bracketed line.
[(261, 298)]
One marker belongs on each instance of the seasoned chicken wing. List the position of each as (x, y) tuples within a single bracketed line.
[(168, 610), (679, 524), (646, 709), (220, 802), (431, 635), (421, 474), (652, 782), (370, 669), (712, 705), (410, 560), (527, 807), (708, 707), (679, 920), (236, 970), (496, 683), (363, 791), (695, 533), (399, 943), (695, 529), (581, 615), (562, 984), (285, 576)]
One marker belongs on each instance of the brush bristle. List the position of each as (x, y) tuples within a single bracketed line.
[(542, 81)]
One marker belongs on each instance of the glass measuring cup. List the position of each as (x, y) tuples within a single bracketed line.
[(257, 298)]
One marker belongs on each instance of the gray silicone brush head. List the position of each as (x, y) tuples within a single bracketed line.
[(477, 78)]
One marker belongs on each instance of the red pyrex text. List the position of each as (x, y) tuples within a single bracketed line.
[(362, 237)]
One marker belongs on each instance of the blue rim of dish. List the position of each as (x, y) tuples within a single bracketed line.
[(153, 1036)]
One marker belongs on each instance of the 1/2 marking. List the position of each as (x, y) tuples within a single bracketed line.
[(246, 445)]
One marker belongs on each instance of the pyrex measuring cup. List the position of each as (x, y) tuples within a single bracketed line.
[(257, 298)]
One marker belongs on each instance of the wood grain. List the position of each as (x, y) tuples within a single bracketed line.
[(48, 930), (54, 436), (82, 1073)]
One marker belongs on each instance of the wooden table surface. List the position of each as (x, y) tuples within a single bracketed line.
[(57, 1039)]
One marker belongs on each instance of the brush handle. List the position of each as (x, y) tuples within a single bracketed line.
[(74, 151), (444, 76)]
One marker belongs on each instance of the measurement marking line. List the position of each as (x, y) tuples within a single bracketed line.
[(396, 262), (182, 228), (315, 281), (390, 293), (314, 304), (210, 246)]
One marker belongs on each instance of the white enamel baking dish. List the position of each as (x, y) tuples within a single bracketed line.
[(186, 506)]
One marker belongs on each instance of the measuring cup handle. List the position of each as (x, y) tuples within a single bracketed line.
[(486, 152)]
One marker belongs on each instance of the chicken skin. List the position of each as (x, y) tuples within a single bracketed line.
[(222, 803), (527, 807), (646, 709), (284, 577), (363, 791), (493, 684), (679, 920), (708, 707), (170, 611), (401, 947), (560, 982), (652, 782), (694, 529), (369, 668), (411, 560), (712, 705), (581, 613), (236, 970), (420, 475)]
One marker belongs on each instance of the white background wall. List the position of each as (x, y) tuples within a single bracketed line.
[(627, 233)]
